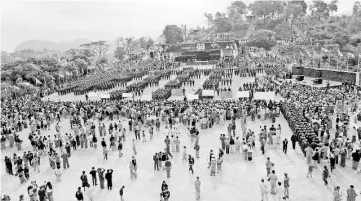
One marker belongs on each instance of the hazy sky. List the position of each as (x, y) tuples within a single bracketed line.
[(103, 20)]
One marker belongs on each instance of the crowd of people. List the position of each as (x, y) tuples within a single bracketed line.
[(318, 118)]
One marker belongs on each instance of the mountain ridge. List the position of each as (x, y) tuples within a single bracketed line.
[(51, 45)]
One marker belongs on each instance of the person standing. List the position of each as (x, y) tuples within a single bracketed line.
[(101, 177), (84, 180), (109, 178), (49, 191), (325, 174), (273, 180), (133, 174), (79, 195), (264, 191), (294, 140), (57, 173), (134, 147), (310, 169), (120, 148), (168, 167), (268, 166), (93, 173), (191, 163), (197, 184), (284, 145), (279, 192), (121, 192), (351, 194), (65, 158), (177, 143), (337, 196), (197, 147), (286, 185), (156, 163), (356, 156)]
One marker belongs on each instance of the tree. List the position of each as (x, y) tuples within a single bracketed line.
[(301, 3), (236, 8), (101, 62), (218, 16), (173, 34), (209, 17), (332, 6), (149, 44), (222, 25), (319, 9), (261, 8), (293, 12), (126, 45), (6, 57), (142, 42), (341, 39), (98, 48), (356, 7)]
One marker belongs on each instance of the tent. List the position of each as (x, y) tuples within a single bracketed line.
[(207, 92), (265, 95), (242, 94), (192, 97)]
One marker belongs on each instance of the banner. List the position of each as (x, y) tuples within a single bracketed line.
[(127, 95), (242, 94), (177, 92), (207, 92), (226, 94), (192, 97), (105, 96), (92, 94), (264, 95)]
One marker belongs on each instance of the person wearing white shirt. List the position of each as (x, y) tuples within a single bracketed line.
[(279, 192), (264, 191)]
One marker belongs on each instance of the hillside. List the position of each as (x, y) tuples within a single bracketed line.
[(42, 44)]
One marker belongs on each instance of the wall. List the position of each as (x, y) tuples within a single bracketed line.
[(334, 75)]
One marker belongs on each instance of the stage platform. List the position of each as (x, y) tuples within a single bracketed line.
[(308, 81)]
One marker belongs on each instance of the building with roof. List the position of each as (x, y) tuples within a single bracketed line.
[(200, 51)]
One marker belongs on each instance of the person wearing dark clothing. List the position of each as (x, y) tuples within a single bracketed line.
[(294, 140), (42, 193), (164, 186), (109, 178), (103, 143), (93, 173), (79, 195), (285, 144), (84, 180), (121, 192), (166, 195), (191, 163)]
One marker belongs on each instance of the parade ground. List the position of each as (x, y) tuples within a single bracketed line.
[(239, 179)]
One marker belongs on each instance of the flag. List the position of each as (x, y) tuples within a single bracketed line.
[(350, 55), (37, 81), (325, 50), (339, 53)]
